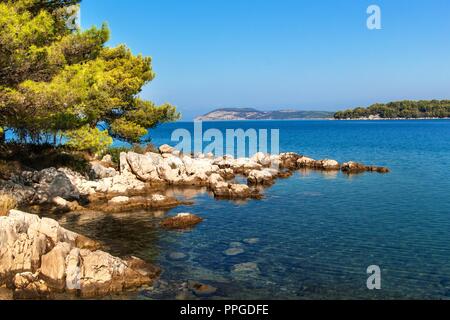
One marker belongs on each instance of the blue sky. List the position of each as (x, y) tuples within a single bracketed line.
[(279, 54)]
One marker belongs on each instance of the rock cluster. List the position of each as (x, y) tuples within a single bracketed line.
[(139, 171), (39, 258)]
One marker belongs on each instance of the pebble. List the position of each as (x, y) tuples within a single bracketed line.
[(251, 241)]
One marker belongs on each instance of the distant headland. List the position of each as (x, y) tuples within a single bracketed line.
[(253, 114), (397, 110)]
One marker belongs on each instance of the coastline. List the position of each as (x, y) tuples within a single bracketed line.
[(391, 119), (136, 186), (319, 119)]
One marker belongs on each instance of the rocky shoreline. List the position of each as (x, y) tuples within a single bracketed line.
[(39, 258)]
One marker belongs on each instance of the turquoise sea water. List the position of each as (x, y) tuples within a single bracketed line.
[(317, 233)]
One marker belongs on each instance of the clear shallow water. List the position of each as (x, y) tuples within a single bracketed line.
[(317, 232)]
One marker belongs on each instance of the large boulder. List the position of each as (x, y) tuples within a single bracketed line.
[(246, 164), (122, 183), (39, 257), (305, 162), (145, 167), (53, 265), (262, 159), (28, 286), (96, 274), (264, 177), (199, 166), (289, 160), (21, 193), (329, 165), (172, 170)]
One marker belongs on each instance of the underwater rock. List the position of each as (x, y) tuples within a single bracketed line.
[(251, 241), (236, 245), (201, 290), (234, 251), (177, 256), (246, 267)]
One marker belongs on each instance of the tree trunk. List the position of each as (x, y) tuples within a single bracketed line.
[(2, 136)]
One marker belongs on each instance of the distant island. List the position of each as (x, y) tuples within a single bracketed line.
[(253, 114), (405, 109), (424, 109)]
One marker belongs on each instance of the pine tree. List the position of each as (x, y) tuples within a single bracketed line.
[(56, 80)]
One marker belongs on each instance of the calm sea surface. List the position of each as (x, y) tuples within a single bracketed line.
[(314, 234)]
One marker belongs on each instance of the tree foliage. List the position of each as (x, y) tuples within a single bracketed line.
[(89, 139), (55, 80), (400, 109)]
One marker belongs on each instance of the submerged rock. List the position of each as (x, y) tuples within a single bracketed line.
[(201, 290), (234, 251), (176, 256), (181, 221), (251, 241), (246, 267), (264, 177)]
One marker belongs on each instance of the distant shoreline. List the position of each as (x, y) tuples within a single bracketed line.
[(260, 120), (318, 119), (390, 119)]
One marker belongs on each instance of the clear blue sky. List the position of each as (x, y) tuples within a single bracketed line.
[(277, 54)]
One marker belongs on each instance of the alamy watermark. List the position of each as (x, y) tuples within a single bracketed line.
[(374, 19), (73, 17), (374, 280), (236, 142)]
